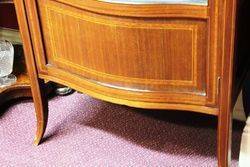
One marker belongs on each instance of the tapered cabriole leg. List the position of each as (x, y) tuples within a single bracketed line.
[(224, 139), (41, 108), (37, 85)]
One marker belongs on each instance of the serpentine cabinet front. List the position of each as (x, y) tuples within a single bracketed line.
[(163, 54)]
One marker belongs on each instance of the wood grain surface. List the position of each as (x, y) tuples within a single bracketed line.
[(148, 56)]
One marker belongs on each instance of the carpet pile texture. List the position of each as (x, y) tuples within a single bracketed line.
[(83, 131)]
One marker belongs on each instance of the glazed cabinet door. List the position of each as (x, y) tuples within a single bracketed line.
[(144, 50)]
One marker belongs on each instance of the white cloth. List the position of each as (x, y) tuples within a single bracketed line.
[(244, 160)]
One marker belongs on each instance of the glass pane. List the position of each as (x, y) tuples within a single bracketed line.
[(189, 2)]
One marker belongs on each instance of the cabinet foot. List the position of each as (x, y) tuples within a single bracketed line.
[(41, 108), (224, 139)]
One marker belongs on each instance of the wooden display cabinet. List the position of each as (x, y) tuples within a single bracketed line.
[(9, 31), (163, 54)]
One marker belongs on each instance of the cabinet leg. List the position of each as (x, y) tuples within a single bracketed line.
[(41, 108), (37, 85), (224, 139)]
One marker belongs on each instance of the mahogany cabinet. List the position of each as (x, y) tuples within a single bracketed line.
[(162, 54)]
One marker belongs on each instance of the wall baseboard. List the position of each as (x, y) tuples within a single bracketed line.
[(10, 35)]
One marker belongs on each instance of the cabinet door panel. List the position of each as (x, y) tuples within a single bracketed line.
[(151, 55)]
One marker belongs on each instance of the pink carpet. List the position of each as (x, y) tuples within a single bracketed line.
[(83, 131)]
